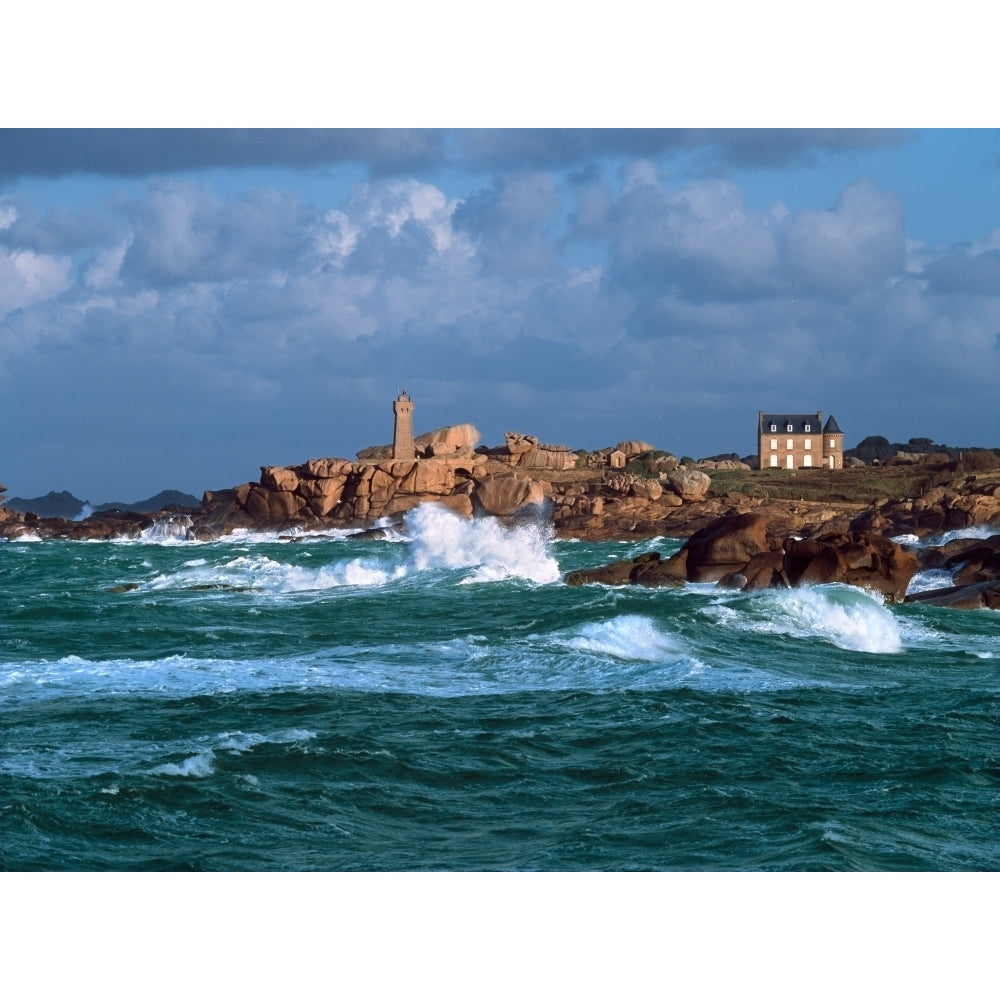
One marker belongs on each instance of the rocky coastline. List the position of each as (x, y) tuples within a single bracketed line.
[(734, 538)]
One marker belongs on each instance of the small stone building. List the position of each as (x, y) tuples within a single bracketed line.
[(799, 441)]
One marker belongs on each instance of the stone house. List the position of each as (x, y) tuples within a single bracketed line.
[(799, 441)]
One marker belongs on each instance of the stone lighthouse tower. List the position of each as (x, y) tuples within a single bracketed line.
[(402, 435)]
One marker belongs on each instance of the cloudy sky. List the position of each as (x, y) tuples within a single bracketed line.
[(180, 307)]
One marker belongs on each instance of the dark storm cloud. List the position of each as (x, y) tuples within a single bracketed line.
[(550, 148), (140, 152), (53, 153)]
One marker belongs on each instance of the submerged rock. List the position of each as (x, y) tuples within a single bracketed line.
[(969, 597)]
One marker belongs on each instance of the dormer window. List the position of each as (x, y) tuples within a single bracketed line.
[(808, 428), (774, 428), (789, 428)]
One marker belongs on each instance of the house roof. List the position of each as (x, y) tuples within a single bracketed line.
[(831, 427), (797, 420)]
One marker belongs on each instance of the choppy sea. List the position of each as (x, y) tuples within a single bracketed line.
[(440, 700)]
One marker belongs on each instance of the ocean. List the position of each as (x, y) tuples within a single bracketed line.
[(439, 700)]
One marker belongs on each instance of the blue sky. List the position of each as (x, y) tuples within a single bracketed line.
[(180, 307)]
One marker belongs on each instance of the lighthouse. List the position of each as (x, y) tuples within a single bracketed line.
[(402, 435)]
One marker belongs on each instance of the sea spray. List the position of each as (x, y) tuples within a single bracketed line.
[(495, 551)]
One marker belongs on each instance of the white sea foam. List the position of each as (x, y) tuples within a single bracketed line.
[(441, 539), (254, 536), (628, 637), (200, 765), (261, 573), (930, 579), (167, 530), (973, 532), (240, 742), (847, 617)]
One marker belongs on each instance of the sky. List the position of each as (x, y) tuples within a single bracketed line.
[(180, 306)]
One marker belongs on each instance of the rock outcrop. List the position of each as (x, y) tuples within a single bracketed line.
[(525, 451), (503, 494), (332, 492), (949, 506), (970, 597), (741, 553), (974, 565)]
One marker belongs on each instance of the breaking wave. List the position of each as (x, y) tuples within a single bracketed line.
[(846, 617), (441, 539)]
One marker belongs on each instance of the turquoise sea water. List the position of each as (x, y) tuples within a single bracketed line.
[(440, 700)]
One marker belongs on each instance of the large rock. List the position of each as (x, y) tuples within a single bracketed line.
[(726, 546), (649, 489), (647, 570), (324, 468), (632, 448), (456, 441), (690, 485), (860, 559), (276, 477), (558, 459), (970, 597), (428, 477), (738, 551), (504, 493), (520, 444)]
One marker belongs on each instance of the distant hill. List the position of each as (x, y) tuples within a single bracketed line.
[(51, 505), (162, 500), (66, 505)]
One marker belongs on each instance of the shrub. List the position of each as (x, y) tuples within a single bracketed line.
[(640, 468), (979, 460)]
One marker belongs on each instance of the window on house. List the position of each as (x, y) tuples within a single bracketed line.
[(808, 442), (808, 428), (774, 461), (807, 461), (789, 428), (774, 444), (774, 427), (833, 444), (789, 444)]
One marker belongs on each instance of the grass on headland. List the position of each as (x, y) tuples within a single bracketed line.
[(863, 485)]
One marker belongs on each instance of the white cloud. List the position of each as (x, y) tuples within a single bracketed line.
[(8, 213), (105, 268), (28, 278), (855, 246)]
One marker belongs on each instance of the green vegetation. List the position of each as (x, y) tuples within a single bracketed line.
[(863, 485)]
